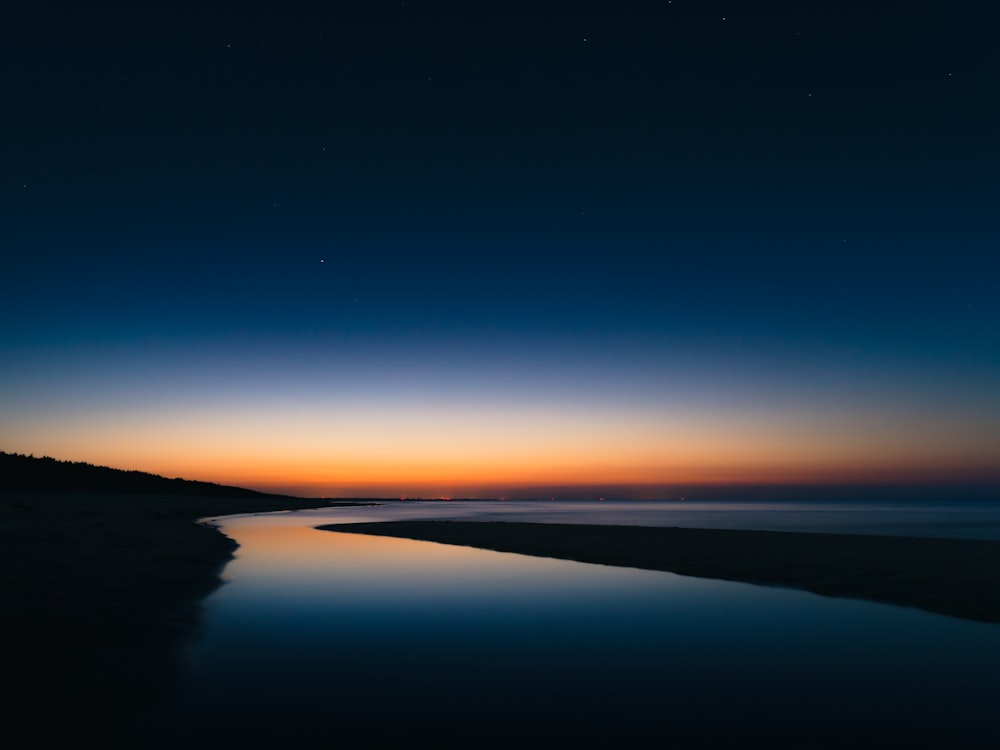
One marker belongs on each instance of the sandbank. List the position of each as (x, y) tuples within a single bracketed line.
[(955, 577)]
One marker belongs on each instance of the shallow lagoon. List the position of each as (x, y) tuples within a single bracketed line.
[(318, 630)]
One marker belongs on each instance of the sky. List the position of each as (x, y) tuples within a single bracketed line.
[(635, 249)]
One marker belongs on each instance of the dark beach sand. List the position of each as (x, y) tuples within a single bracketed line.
[(100, 590), (954, 577)]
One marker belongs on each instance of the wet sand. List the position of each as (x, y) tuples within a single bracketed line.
[(100, 591), (955, 577)]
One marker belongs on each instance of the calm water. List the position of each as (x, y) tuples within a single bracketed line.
[(360, 636)]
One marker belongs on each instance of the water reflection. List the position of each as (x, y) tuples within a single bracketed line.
[(338, 632)]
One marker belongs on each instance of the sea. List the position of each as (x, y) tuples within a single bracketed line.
[(321, 633)]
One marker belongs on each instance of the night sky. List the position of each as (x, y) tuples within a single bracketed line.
[(505, 249)]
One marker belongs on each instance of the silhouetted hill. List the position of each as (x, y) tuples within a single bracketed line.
[(28, 472)]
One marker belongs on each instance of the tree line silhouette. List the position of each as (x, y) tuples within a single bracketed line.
[(19, 471)]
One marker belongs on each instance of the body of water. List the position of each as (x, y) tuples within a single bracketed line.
[(363, 636), (967, 519)]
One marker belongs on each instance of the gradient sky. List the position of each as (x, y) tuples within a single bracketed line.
[(504, 249)]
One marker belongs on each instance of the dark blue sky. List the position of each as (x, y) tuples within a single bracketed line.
[(576, 198)]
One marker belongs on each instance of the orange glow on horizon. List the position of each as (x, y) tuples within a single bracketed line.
[(418, 452), (471, 475)]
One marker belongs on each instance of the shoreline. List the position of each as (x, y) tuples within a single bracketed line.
[(954, 577), (102, 592)]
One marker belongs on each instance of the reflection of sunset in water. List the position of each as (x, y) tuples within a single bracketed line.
[(294, 553), (299, 556), (316, 629), (265, 551)]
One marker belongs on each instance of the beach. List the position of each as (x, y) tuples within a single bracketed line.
[(103, 590)]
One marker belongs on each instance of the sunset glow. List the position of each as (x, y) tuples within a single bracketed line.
[(398, 254), (460, 434)]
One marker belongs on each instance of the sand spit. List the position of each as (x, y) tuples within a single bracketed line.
[(955, 577)]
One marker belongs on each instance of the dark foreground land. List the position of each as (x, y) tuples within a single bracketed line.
[(99, 591), (954, 577)]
